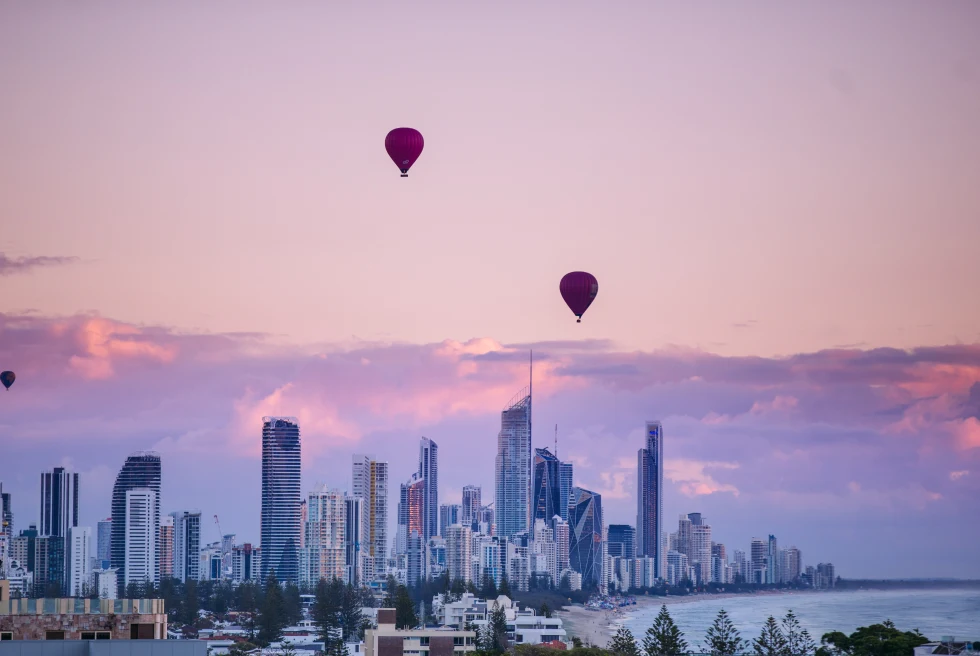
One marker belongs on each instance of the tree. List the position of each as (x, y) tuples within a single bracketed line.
[(489, 589), (351, 618), (189, 605), (495, 634), (544, 611), (722, 638), (293, 605), (664, 638), (875, 640), (247, 603), (240, 648), (405, 615), (272, 616), (576, 642), (565, 585), (326, 611), (798, 640), (623, 643), (504, 586), (771, 641)]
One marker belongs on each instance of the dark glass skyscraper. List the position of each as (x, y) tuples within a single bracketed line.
[(649, 498), (141, 470), (621, 541), (281, 495), (59, 502), (565, 476), (547, 486), (585, 535), (429, 472)]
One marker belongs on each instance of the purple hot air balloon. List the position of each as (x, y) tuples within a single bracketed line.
[(7, 378), (404, 145), (579, 289)]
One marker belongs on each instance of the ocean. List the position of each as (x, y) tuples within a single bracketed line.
[(936, 613)]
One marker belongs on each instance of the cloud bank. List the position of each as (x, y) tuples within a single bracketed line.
[(847, 453), (13, 265)]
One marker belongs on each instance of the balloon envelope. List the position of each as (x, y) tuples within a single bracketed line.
[(7, 378), (579, 289), (404, 145)]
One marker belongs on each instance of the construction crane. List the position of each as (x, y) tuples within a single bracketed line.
[(220, 534)]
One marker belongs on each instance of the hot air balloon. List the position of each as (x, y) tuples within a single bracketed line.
[(404, 145), (579, 289), (7, 378)]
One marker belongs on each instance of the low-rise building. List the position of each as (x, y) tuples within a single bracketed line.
[(82, 619), (386, 640), (524, 626)]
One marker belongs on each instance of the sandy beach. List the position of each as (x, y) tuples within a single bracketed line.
[(597, 627)]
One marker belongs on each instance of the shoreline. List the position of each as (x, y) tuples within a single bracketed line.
[(597, 627)]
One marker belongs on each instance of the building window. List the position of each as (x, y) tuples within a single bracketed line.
[(458, 642), (141, 632), (6, 635), (96, 635), (424, 641), (54, 635)]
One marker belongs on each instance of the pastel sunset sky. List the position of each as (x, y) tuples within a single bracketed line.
[(199, 226)]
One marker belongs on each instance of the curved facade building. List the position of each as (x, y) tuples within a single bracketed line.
[(281, 497), (142, 470)]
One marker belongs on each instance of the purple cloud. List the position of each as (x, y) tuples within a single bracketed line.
[(13, 265)]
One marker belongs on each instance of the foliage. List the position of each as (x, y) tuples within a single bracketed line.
[(544, 611), (272, 616), (489, 589), (798, 640), (405, 615), (494, 635), (326, 610), (190, 603), (875, 640), (771, 641), (664, 638), (624, 643), (293, 605), (722, 638), (504, 586)]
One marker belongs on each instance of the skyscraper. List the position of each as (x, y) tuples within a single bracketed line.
[(187, 545), (759, 566), (166, 548), (429, 472), (142, 532), (649, 497), (6, 513), (772, 561), (370, 483), (585, 539), (353, 557), (411, 511), (59, 502), (103, 551), (471, 505), (325, 554), (621, 541), (546, 495), (700, 553), (142, 470), (459, 549), (79, 560), (513, 467), (280, 532), (566, 482), (449, 514)]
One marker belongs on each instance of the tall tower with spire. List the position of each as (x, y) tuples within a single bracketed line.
[(513, 465)]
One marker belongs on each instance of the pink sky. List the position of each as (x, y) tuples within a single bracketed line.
[(745, 180)]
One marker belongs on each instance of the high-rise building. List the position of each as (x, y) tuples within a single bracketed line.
[(513, 467), (471, 505), (585, 539), (459, 550), (559, 528), (142, 532), (649, 497), (166, 547), (683, 540), (414, 558), (566, 483), (325, 554), (79, 560), (700, 549), (142, 470), (411, 511), (187, 545), (49, 565), (759, 565), (245, 563), (429, 472), (621, 541), (772, 561), (280, 531), (103, 550), (370, 483), (546, 490), (449, 514), (6, 513), (227, 544), (353, 558), (59, 502), (790, 565)]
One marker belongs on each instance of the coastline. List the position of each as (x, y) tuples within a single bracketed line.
[(598, 627)]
